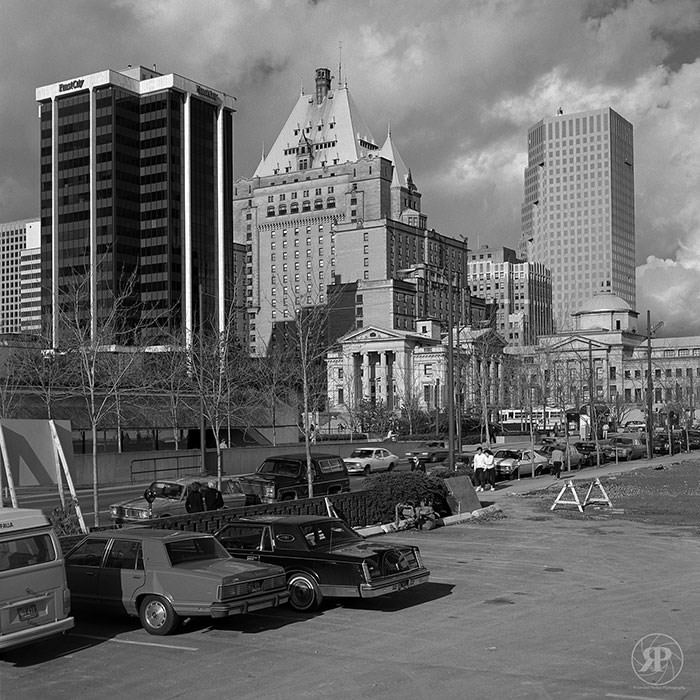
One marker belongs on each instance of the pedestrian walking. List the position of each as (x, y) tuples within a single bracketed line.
[(557, 461), (212, 497), (489, 470), (479, 469), (194, 502)]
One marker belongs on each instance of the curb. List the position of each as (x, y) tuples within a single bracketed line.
[(448, 520)]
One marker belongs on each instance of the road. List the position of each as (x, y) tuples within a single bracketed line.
[(535, 605)]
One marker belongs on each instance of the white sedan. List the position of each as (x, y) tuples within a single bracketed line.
[(370, 459), (509, 463)]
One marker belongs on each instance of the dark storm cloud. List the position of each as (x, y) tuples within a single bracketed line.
[(460, 83)]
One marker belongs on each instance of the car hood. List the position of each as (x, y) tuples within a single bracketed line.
[(142, 503)]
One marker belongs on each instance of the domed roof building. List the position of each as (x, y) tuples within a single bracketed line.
[(605, 311)]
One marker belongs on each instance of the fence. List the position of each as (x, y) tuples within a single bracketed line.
[(174, 466)]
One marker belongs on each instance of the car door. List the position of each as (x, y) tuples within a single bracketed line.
[(83, 570), (122, 574), (382, 459)]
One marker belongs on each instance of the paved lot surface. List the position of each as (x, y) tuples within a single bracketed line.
[(531, 605)]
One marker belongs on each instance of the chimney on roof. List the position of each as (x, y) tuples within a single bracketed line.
[(323, 84)]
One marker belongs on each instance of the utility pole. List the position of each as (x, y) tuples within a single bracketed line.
[(591, 405), (650, 392), (450, 376)]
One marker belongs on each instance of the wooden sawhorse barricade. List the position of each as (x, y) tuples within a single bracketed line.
[(588, 500)]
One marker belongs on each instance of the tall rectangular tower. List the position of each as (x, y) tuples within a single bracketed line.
[(578, 207), (15, 237), (137, 180)]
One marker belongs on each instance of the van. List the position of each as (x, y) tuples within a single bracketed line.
[(34, 595), (283, 478)]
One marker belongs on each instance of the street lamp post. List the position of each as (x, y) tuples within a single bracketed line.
[(650, 385)]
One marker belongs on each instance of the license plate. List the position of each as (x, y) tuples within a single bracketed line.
[(403, 584), (27, 612)]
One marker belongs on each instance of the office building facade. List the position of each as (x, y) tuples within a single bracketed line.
[(578, 207), (136, 183), (519, 292), (18, 243)]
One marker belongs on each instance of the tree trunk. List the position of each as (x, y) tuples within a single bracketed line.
[(95, 485)]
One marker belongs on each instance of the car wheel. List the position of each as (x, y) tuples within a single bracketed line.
[(538, 471), (367, 470), (513, 475), (629, 457), (391, 467), (289, 497), (157, 615), (304, 593)]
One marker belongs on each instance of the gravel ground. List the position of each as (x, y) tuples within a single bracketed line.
[(662, 495)]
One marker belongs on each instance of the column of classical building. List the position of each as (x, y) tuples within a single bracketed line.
[(365, 376)]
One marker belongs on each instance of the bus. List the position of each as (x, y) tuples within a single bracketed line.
[(517, 420)]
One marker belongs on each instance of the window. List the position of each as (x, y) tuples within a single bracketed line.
[(125, 554), (19, 552)]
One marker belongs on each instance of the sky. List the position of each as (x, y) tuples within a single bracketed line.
[(459, 82)]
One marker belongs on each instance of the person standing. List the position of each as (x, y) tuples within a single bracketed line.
[(479, 469), (212, 497), (194, 502), (489, 470), (557, 461)]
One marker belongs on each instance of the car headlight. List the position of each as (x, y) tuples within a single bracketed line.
[(116, 511), (143, 514), (269, 490)]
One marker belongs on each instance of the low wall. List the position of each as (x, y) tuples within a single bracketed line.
[(115, 468)]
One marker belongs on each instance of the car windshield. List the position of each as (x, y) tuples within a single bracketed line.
[(504, 454), (280, 467), (195, 549), (328, 534), (166, 489), (362, 453)]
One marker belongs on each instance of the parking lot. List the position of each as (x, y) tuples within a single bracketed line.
[(532, 605)]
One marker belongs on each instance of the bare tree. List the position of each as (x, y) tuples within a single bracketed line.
[(90, 340), (10, 372)]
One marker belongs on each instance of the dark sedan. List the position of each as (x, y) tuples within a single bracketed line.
[(323, 557)]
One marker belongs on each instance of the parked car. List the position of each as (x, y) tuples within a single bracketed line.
[(34, 596), (323, 557), (366, 460), (428, 452), (660, 444), (635, 426), (627, 448), (509, 463), (162, 576), (284, 477), (170, 497), (591, 453), (572, 457)]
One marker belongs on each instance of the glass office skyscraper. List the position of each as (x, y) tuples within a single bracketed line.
[(137, 183), (578, 208)]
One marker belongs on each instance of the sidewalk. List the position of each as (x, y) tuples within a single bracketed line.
[(541, 483)]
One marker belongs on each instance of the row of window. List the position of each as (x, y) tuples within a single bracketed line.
[(305, 206)]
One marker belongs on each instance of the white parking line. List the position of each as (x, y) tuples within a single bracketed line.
[(128, 641)]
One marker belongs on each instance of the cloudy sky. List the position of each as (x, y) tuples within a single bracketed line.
[(460, 82)]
